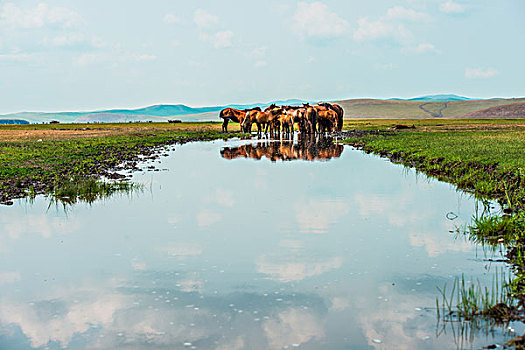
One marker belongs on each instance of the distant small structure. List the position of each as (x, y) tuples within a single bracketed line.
[(54, 122), (174, 121)]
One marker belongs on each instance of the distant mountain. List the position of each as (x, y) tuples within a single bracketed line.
[(159, 110), (13, 121), (150, 113), (435, 98)]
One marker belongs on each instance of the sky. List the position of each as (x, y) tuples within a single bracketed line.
[(58, 55)]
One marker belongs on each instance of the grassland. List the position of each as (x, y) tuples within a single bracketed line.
[(38, 159), (372, 108)]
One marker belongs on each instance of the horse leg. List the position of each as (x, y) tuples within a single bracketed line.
[(225, 125)]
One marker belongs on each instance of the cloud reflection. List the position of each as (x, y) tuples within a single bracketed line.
[(292, 328), (126, 316), (295, 270), (315, 216)]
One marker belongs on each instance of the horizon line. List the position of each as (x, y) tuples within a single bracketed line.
[(102, 109)]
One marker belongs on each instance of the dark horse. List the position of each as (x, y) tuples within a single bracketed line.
[(337, 109), (235, 115)]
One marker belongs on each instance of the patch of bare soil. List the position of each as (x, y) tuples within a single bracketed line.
[(51, 134)]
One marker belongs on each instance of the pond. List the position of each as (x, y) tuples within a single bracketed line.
[(245, 245)]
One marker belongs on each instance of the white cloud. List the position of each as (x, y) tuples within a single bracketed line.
[(37, 17), (73, 39), (310, 59), (293, 326), (258, 52), (478, 73), (452, 7), (437, 245), (371, 30), (339, 304), (171, 19), (113, 58), (220, 39), (79, 318), (17, 57), (43, 225), (291, 271), (316, 21), (390, 26), (316, 216), (236, 344), (404, 14), (204, 19), (9, 277), (385, 66), (191, 285), (207, 218), (182, 251), (222, 196), (422, 48), (381, 29), (259, 64)]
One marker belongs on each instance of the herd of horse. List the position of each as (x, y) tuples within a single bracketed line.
[(321, 118), (309, 148)]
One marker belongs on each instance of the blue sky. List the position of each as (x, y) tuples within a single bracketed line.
[(79, 55)]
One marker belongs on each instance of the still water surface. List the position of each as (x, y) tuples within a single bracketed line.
[(224, 250)]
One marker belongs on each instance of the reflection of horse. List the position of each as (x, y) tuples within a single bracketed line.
[(235, 115), (309, 147)]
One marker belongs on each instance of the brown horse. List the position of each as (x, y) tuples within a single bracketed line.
[(311, 120), (337, 109), (235, 115), (327, 119), (264, 120), (286, 121)]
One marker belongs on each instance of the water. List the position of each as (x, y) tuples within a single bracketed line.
[(224, 252)]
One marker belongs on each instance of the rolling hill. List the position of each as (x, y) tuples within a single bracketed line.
[(433, 106), (372, 108), (513, 110)]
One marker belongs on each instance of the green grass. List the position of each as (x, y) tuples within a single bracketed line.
[(488, 160), (49, 158), (468, 300), (89, 190)]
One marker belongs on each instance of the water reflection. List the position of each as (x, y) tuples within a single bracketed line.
[(344, 254), (308, 147)]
